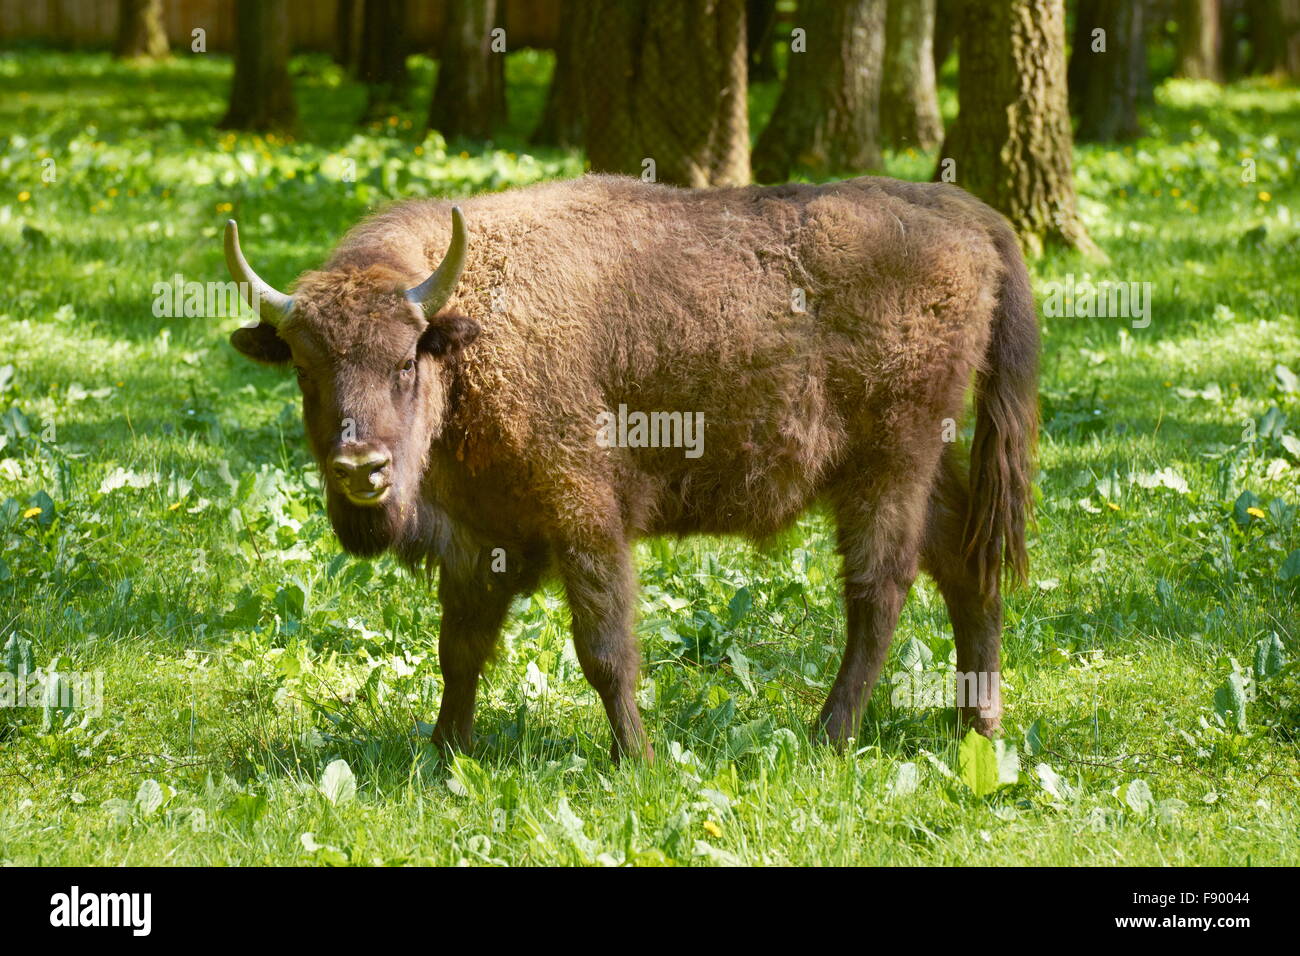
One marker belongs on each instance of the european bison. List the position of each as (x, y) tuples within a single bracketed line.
[(827, 335)]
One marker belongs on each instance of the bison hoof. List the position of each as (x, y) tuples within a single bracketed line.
[(836, 728)]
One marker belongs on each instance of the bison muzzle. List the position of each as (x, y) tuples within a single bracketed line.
[(825, 337)]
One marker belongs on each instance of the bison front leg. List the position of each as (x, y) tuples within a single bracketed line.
[(474, 607), (600, 589)]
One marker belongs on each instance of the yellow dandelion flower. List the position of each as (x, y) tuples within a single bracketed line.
[(31, 512), (1112, 506), (1175, 192), (173, 506), (419, 151), (112, 192), (1257, 512), (392, 121), (1264, 196), (712, 829), (224, 207), (24, 196)]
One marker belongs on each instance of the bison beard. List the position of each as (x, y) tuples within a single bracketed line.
[(826, 336), (365, 532)]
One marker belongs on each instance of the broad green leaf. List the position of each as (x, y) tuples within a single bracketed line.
[(977, 764), (338, 784), (1136, 795), (1034, 739), (1230, 700), (149, 797), (905, 779), (1008, 762), (1270, 657), (741, 603), (471, 779), (914, 655), (1053, 783)]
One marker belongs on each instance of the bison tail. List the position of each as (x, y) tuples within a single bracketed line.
[(1006, 431)]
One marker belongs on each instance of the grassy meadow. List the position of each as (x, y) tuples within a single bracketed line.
[(264, 695)]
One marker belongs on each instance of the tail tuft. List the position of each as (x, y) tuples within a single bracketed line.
[(1006, 431)]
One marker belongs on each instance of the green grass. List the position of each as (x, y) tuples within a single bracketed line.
[(242, 654)]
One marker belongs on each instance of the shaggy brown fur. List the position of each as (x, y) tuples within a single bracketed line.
[(581, 296)]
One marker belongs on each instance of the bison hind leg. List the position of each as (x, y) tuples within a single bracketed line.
[(974, 610), (880, 519)]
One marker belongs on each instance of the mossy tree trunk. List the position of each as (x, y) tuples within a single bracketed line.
[(469, 98), (664, 89), (909, 105), (827, 119), (140, 32), (1011, 144), (261, 95), (1198, 40)]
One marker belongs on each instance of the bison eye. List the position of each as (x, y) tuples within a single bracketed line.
[(408, 367)]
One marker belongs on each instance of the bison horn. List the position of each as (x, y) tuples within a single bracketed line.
[(432, 294), (271, 305)]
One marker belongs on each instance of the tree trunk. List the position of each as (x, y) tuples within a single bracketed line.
[(1011, 143), (1274, 31), (827, 119), (261, 96), (347, 33), (1085, 21), (1232, 16), (909, 105), (140, 32), (469, 99), (1113, 74), (381, 63), (664, 89), (760, 25), (1198, 40), (561, 123), (946, 17)]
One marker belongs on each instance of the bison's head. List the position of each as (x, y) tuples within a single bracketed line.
[(374, 361)]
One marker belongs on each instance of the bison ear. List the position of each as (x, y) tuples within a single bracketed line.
[(262, 344), (448, 335)]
